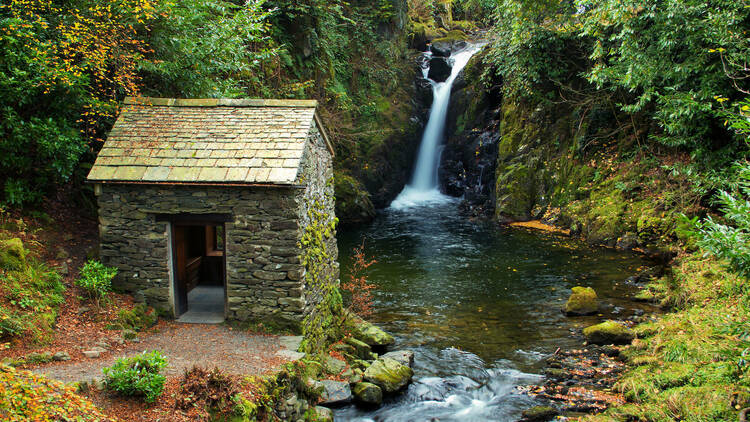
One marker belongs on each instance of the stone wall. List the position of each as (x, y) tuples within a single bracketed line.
[(264, 272), (317, 218)]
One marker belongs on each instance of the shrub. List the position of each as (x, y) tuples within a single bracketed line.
[(96, 279), (137, 376)]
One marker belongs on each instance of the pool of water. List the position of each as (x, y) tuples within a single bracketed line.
[(479, 304)]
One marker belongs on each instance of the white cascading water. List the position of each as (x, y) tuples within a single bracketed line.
[(423, 187)]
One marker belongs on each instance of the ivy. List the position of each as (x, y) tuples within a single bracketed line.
[(323, 322)]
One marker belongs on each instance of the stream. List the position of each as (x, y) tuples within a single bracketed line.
[(479, 304)]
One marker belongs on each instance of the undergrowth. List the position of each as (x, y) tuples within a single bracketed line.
[(691, 364), (30, 296)]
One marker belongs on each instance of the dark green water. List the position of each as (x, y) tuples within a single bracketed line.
[(480, 306)]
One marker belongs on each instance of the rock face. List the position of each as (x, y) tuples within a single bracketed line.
[(608, 332), (440, 49), (388, 374), (12, 254), (440, 69), (368, 394), (582, 301), (334, 366)]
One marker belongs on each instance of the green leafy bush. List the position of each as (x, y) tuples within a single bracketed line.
[(96, 279), (137, 376)]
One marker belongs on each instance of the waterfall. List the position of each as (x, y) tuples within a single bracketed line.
[(423, 187)]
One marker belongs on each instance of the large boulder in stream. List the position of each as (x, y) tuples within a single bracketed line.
[(608, 332), (367, 393), (388, 374), (404, 357), (582, 301), (372, 334), (440, 69)]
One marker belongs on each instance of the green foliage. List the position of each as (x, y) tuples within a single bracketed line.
[(689, 364), (63, 66), (206, 49), (30, 296), (137, 376), (96, 279)]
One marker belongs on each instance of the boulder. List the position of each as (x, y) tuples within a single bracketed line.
[(12, 254), (388, 374), (361, 349), (336, 393), (440, 49), (333, 366), (367, 393), (440, 69), (582, 301), (61, 356), (608, 332), (404, 357), (539, 414), (372, 335), (323, 414)]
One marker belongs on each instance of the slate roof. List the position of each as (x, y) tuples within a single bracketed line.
[(217, 141)]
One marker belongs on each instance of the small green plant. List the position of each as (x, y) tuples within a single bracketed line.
[(96, 280), (136, 319), (137, 376)]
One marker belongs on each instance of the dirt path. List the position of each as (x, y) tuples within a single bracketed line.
[(186, 345)]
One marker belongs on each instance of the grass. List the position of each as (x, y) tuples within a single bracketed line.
[(692, 364)]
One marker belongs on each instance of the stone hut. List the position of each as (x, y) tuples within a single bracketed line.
[(210, 208)]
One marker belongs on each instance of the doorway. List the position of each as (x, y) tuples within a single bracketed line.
[(199, 271)]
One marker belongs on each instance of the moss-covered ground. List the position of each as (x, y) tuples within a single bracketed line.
[(692, 364)]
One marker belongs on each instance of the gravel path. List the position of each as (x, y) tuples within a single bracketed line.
[(186, 345)]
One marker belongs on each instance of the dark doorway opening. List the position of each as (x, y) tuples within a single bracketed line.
[(199, 271)]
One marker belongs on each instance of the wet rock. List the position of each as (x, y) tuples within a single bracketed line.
[(336, 393), (61, 356), (608, 332), (539, 414), (440, 69), (627, 242), (583, 301), (372, 335), (323, 414), (361, 349), (404, 357), (440, 49), (344, 348), (368, 394), (12, 254), (334, 366), (388, 374)]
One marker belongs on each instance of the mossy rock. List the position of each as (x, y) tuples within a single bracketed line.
[(582, 301), (372, 335), (465, 26), (389, 375), (608, 332), (367, 393), (539, 414), (12, 254), (353, 204), (451, 37)]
